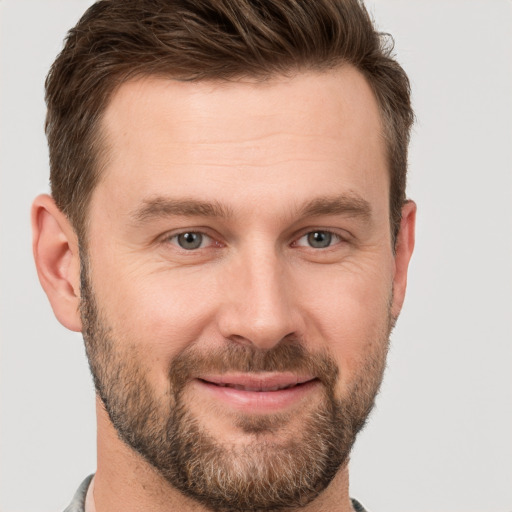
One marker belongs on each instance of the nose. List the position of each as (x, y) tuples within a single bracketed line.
[(260, 307)]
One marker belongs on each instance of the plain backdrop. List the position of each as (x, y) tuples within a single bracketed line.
[(440, 438)]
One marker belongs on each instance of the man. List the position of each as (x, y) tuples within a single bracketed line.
[(228, 229)]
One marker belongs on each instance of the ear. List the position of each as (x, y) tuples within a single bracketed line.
[(403, 253), (55, 248)]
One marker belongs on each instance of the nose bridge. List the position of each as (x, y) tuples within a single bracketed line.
[(260, 308)]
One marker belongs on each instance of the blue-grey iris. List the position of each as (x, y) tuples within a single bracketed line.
[(319, 239), (190, 240)]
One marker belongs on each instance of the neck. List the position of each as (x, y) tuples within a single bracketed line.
[(125, 482)]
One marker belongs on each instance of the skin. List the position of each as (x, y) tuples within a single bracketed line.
[(262, 151)]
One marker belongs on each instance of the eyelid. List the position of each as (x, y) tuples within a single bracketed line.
[(170, 238), (166, 238), (334, 233)]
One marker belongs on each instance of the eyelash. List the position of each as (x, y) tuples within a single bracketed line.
[(173, 239), (332, 236)]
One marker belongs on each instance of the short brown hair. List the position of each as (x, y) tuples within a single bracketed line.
[(117, 40)]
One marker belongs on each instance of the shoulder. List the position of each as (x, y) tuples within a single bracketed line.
[(355, 505), (78, 502)]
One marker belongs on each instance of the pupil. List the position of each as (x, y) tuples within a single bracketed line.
[(190, 240), (319, 239)]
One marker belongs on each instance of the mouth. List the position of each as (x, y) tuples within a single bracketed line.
[(258, 382), (261, 392)]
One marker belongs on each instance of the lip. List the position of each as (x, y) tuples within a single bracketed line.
[(258, 392)]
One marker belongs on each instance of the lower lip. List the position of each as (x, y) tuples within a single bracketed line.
[(259, 401)]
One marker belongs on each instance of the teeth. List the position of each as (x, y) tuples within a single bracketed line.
[(246, 388), (258, 388)]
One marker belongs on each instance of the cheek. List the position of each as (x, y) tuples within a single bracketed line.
[(162, 312), (350, 317)]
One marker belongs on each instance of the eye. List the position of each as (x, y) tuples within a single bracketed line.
[(319, 239), (190, 240)]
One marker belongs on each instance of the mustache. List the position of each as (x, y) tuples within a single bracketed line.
[(287, 356)]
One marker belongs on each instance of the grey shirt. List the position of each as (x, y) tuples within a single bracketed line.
[(78, 502)]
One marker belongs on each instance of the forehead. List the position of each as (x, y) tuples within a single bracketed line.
[(204, 138)]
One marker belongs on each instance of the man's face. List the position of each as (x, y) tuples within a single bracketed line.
[(237, 289)]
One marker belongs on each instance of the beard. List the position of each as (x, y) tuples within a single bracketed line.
[(280, 467)]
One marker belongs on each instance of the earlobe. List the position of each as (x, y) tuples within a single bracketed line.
[(57, 259), (404, 248)]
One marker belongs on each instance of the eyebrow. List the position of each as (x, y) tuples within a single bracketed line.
[(160, 207), (351, 206)]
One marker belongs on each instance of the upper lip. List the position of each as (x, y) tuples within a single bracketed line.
[(257, 381)]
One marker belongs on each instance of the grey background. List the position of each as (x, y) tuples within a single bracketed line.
[(441, 436)]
